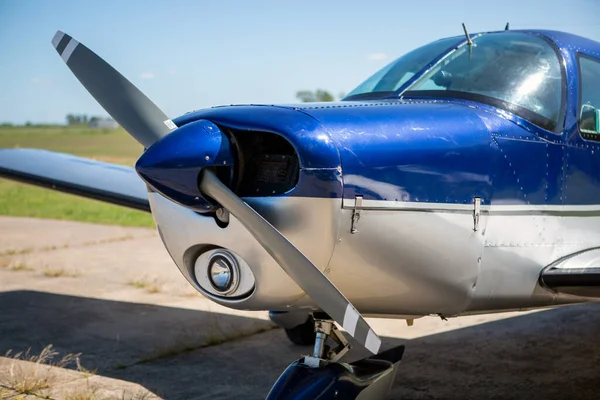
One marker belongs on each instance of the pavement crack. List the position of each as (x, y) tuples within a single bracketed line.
[(183, 349)]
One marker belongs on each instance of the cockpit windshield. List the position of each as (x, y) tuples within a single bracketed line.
[(513, 71), (390, 78)]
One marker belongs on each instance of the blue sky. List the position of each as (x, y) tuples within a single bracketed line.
[(187, 55)]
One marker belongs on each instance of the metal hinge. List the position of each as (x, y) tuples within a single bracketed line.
[(476, 212), (356, 213)]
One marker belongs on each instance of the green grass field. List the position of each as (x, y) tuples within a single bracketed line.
[(114, 146)]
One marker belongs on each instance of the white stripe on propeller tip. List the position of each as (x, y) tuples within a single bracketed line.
[(350, 319), (131, 108), (373, 342), (170, 124), (71, 46), (64, 44), (57, 38)]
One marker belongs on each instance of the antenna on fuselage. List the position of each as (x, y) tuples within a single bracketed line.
[(507, 26), (469, 42)]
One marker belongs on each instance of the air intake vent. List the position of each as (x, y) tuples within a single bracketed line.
[(275, 169), (267, 164)]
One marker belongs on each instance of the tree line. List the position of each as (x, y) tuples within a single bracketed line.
[(308, 96), (305, 96), (81, 119)]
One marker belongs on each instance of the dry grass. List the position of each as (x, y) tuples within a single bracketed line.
[(11, 252), (52, 248), (117, 239), (15, 252), (108, 240), (8, 394), (86, 372), (19, 267), (151, 286), (82, 394), (59, 272), (34, 377), (27, 380)]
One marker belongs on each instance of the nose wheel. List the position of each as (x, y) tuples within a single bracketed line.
[(322, 375)]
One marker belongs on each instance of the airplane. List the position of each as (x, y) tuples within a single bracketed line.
[(460, 179)]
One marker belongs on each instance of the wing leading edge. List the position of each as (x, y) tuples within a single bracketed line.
[(76, 175)]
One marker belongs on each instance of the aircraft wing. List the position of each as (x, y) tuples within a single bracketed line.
[(76, 175)]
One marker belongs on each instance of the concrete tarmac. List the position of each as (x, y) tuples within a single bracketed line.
[(114, 295)]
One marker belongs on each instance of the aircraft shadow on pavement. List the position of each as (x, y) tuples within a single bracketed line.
[(550, 354)]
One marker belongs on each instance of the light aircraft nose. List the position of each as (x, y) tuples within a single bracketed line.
[(172, 165)]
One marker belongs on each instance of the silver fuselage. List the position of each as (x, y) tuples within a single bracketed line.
[(406, 259)]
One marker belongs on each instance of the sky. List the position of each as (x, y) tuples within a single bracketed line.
[(187, 55)]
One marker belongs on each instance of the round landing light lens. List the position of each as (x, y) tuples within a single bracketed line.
[(222, 273)]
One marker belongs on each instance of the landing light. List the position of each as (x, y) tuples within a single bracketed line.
[(223, 272)]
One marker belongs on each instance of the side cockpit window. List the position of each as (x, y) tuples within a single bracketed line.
[(589, 97)]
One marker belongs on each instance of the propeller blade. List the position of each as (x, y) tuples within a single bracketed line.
[(119, 97), (294, 263)]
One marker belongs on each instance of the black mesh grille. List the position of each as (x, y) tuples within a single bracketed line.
[(266, 165)]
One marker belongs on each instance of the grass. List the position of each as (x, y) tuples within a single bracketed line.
[(36, 379), (59, 272), (116, 146), (86, 393), (13, 252), (112, 145), (149, 286), (19, 267), (31, 379), (20, 200)]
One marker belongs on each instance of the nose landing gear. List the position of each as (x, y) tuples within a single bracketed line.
[(322, 376), (304, 334)]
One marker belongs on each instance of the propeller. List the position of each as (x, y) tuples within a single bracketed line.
[(294, 263), (148, 124), (120, 98)]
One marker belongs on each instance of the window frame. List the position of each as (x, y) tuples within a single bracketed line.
[(594, 137)]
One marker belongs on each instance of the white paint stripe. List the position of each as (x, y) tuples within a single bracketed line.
[(407, 205), (543, 207), (71, 46), (57, 38), (413, 205), (312, 362), (373, 342), (170, 124), (350, 319)]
